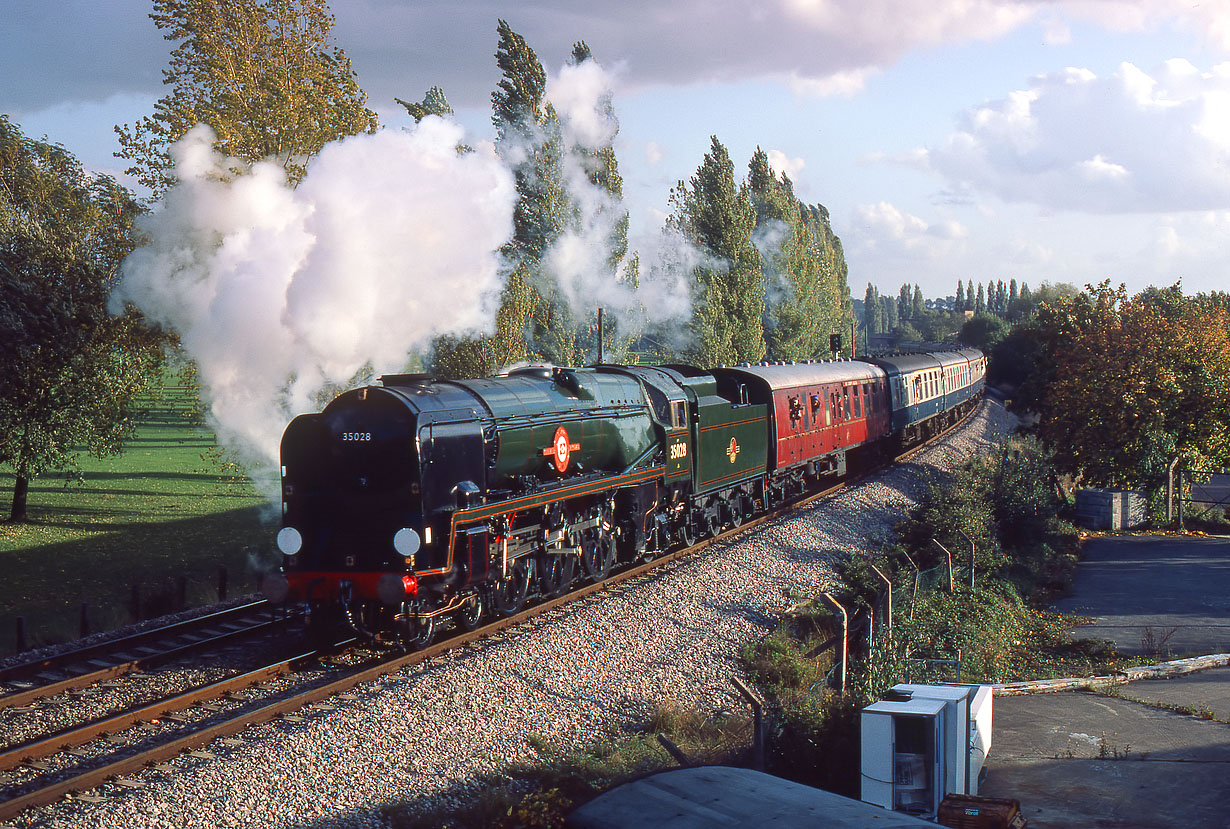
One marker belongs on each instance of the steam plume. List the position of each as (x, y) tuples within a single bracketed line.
[(389, 241)]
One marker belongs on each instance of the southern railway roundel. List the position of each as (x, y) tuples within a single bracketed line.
[(561, 449)]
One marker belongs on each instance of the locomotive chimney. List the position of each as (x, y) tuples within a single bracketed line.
[(599, 335)]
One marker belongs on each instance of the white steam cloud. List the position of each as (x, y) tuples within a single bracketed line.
[(580, 260), (389, 241)]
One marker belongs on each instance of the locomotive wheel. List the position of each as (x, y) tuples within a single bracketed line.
[(470, 615), (510, 595), (597, 555), (736, 511), (419, 633), (713, 526), (687, 533), (557, 575)]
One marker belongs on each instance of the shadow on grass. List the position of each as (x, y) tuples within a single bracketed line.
[(47, 584)]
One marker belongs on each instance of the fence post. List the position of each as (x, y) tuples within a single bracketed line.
[(917, 578), (845, 637), (945, 549), (1182, 528), (889, 585), (757, 722), (1170, 490), (971, 557)]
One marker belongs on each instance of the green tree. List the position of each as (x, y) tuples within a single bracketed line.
[(70, 372), (969, 295), (529, 324), (602, 170), (872, 319), (529, 137), (983, 331), (802, 262), (980, 306), (917, 309), (434, 103), (1124, 384), (888, 313), (959, 305), (264, 74), (905, 302), (716, 216)]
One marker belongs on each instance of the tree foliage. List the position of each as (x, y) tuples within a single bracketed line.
[(1124, 385), (983, 332), (712, 212), (803, 266), (264, 74), (69, 371)]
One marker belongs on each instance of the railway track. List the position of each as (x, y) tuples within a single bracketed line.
[(81, 758), (82, 667)]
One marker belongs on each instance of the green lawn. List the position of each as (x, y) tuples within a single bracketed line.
[(160, 511)]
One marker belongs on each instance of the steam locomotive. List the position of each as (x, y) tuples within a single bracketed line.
[(421, 499)]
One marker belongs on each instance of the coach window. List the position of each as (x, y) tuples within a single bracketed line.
[(858, 403), (845, 396), (679, 414)]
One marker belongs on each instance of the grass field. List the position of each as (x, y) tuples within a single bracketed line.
[(161, 512)]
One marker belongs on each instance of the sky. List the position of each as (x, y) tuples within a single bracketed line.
[(1068, 141)]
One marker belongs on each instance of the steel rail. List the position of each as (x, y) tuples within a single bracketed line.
[(97, 655), (234, 725)]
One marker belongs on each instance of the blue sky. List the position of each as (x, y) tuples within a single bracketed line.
[(956, 139)]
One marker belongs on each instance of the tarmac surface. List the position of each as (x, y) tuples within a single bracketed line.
[(1143, 753)]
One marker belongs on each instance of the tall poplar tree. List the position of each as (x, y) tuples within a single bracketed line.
[(873, 320), (888, 306), (959, 304), (265, 75), (802, 264), (727, 324)]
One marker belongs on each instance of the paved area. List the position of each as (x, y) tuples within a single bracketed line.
[(1165, 596), (1130, 757)]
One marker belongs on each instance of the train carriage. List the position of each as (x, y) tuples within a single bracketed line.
[(924, 386), (820, 410)]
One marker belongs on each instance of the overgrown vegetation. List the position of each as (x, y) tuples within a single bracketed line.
[(1024, 554)]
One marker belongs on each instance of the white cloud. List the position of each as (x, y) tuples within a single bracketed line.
[(782, 163), (845, 84), (883, 230), (1129, 142)]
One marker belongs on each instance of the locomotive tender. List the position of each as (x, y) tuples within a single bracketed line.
[(420, 498)]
